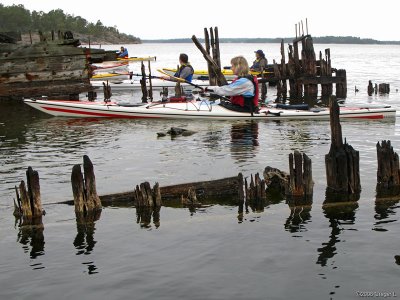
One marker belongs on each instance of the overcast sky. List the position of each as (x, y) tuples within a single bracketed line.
[(163, 19)]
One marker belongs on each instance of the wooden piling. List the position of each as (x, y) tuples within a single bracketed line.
[(384, 88), (28, 204), (342, 161), (145, 196), (255, 193), (300, 181), (283, 72), (143, 84), (341, 87), (86, 200), (221, 80), (150, 82), (388, 174), (370, 88)]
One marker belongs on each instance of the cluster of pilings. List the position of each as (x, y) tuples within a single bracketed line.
[(296, 186), (382, 88), (302, 71)]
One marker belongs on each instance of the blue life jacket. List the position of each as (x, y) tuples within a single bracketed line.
[(188, 78)]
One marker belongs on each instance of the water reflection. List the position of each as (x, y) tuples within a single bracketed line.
[(385, 210), (144, 215), (84, 241), (299, 215), (340, 216), (244, 140), (32, 240)]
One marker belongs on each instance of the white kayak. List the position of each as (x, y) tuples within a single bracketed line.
[(110, 66), (195, 109), (134, 84)]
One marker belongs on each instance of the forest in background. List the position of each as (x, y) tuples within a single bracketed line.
[(317, 40), (16, 18)]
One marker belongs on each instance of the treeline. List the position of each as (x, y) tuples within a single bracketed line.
[(17, 18), (317, 40)]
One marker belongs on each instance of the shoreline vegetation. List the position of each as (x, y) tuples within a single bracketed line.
[(16, 18)]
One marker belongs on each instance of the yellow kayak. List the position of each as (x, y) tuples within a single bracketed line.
[(110, 76), (203, 74)]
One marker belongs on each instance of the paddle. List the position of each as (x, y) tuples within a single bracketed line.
[(179, 79)]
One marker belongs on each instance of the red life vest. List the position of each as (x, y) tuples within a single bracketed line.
[(239, 99)]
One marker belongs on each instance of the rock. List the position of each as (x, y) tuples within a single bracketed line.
[(276, 179)]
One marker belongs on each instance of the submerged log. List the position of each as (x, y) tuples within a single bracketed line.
[(342, 161), (388, 174), (205, 190)]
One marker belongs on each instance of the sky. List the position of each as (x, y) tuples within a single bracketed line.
[(161, 19)]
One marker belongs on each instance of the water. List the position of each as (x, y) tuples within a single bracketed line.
[(310, 253)]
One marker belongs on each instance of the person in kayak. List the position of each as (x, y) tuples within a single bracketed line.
[(185, 70), (243, 90), (260, 63), (123, 53)]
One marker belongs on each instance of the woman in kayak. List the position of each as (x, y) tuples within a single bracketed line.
[(243, 90)]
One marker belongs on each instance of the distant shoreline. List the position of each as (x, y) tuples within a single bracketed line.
[(317, 40)]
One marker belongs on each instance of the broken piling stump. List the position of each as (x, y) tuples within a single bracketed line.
[(370, 89), (28, 205), (145, 196), (300, 181), (342, 162), (255, 193), (388, 174), (87, 202)]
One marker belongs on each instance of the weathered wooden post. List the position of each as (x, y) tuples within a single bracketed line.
[(309, 66), (150, 83), (143, 84), (211, 75), (147, 201), (255, 193), (370, 89), (221, 80), (87, 202), (283, 72), (28, 205), (145, 196), (278, 76), (388, 174), (241, 197), (341, 86), (384, 88), (300, 184), (342, 161)]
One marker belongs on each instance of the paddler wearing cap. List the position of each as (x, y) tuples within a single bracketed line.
[(260, 63)]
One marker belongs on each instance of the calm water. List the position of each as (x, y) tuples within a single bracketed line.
[(309, 253)]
